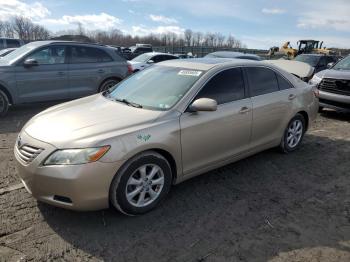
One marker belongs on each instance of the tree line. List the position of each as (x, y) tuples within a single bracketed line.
[(25, 29)]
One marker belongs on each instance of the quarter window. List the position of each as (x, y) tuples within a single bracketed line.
[(283, 83), (262, 81), (82, 54), (49, 56), (226, 86)]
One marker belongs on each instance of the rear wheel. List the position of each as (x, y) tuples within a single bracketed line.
[(4, 103), (141, 184), (293, 135), (109, 83)]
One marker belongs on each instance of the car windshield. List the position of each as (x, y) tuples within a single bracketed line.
[(343, 64), (142, 58), (19, 52), (309, 59), (156, 88)]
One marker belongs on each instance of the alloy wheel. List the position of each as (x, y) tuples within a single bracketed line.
[(295, 132)]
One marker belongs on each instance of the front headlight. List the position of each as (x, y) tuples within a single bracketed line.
[(315, 80), (76, 156)]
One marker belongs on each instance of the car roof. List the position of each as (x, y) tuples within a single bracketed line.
[(313, 55), (158, 53), (49, 42), (208, 63)]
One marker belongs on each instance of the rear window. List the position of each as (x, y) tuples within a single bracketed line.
[(82, 54)]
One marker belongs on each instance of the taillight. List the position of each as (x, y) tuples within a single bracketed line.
[(130, 71)]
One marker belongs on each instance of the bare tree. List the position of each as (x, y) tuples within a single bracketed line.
[(188, 36)]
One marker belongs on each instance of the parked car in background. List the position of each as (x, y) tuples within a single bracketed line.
[(159, 127), (10, 43), (145, 60), (229, 54), (184, 56), (334, 85), (6, 51), (300, 69), (318, 61), (140, 49), (53, 70)]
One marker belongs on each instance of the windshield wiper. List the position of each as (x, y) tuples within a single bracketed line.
[(125, 101)]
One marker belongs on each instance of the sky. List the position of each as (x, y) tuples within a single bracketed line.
[(258, 24)]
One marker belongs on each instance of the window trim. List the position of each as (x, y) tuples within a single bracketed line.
[(70, 57), (273, 70), (209, 79)]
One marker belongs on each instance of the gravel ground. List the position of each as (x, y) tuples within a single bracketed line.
[(269, 207)]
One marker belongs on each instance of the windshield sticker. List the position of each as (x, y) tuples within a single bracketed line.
[(189, 73)]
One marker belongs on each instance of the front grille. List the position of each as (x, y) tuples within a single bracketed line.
[(28, 153), (336, 86)]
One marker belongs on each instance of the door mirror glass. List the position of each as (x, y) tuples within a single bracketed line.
[(330, 65), (30, 62), (203, 104)]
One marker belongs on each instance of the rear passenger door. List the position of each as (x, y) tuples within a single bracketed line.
[(272, 97), (88, 67), (210, 137)]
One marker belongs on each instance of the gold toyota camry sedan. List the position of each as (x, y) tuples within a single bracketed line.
[(127, 146)]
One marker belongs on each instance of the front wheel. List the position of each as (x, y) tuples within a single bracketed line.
[(4, 103), (109, 83), (293, 135), (141, 184)]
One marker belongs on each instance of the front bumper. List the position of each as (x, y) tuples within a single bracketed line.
[(77, 187), (335, 101)]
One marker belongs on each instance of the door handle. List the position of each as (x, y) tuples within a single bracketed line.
[(291, 96), (244, 110), (61, 73), (100, 71)]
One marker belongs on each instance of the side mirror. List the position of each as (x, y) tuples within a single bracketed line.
[(30, 62), (203, 104), (150, 62), (330, 65)]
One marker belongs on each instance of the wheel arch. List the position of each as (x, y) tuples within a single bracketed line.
[(7, 92), (306, 117), (108, 78)]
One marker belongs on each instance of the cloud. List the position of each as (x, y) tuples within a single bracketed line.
[(273, 11), (325, 15), (10, 8), (144, 30), (101, 21), (163, 19)]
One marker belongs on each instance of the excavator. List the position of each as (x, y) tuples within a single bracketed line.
[(304, 47)]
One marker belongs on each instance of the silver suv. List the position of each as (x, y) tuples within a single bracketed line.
[(54, 70), (334, 85)]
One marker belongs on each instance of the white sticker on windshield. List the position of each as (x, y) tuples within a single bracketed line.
[(189, 73)]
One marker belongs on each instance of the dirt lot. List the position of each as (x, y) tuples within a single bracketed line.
[(269, 207)]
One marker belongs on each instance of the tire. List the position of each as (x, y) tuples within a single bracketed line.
[(107, 84), (293, 135), (130, 179), (4, 103)]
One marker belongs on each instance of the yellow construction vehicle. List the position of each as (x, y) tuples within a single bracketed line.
[(304, 47)]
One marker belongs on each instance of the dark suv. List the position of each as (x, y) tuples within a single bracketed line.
[(317, 61), (140, 49), (53, 70), (10, 43)]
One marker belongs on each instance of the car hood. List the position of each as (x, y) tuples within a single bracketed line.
[(336, 74), (87, 122), (300, 69)]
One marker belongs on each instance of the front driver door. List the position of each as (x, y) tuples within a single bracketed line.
[(46, 81), (210, 137)]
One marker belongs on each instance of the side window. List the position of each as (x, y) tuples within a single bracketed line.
[(49, 55), (262, 81), (12, 43), (226, 86), (283, 83), (169, 57), (82, 54), (2, 44), (157, 58), (323, 61)]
